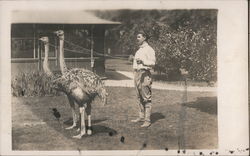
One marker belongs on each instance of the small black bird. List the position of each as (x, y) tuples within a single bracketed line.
[(122, 139), (110, 133), (57, 115)]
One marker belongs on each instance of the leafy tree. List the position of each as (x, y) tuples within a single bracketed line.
[(181, 38)]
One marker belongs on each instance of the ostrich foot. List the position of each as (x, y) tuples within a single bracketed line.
[(71, 127), (89, 132), (79, 136)]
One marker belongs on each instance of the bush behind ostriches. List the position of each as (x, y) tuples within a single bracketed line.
[(32, 84)]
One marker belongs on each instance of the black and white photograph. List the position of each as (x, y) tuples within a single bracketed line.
[(160, 77)]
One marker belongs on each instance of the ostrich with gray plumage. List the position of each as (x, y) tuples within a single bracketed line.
[(81, 87)]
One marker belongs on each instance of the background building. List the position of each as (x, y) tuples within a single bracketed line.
[(84, 39)]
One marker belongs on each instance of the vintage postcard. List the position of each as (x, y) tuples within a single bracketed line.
[(124, 77)]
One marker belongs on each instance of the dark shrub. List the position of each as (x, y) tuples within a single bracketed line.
[(32, 84)]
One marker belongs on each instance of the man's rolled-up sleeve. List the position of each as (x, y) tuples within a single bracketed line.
[(150, 58)]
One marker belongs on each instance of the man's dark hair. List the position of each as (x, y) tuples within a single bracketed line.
[(144, 34)]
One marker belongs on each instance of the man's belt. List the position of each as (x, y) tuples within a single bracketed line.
[(139, 70)]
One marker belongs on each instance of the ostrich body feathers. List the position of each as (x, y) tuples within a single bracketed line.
[(82, 84)]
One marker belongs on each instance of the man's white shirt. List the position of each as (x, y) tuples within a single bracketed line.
[(147, 54)]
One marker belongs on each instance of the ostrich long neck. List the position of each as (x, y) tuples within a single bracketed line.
[(62, 62), (46, 60)]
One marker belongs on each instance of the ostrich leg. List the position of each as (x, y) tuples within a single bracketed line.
[(72, 106), (88, 112), (83, 129)]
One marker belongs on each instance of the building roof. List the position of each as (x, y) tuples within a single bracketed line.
[(57, 17)]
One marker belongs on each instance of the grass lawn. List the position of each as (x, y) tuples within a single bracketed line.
[(174, 120)]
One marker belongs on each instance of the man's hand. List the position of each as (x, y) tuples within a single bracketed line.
[(138, 61)]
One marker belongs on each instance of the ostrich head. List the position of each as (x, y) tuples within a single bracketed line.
[(44, 39), (60, 34)]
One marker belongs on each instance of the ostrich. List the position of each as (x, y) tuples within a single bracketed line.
[(81, 87), (45, 61)]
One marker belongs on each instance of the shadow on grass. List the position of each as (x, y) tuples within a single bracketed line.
[(103, 129), (156, 116), (96, 129), (204, 104), (50, 120), (69, 122)]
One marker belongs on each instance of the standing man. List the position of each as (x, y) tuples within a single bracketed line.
[(144, 61)]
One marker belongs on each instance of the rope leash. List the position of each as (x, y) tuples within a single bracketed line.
[(98, 53), (82, 52)]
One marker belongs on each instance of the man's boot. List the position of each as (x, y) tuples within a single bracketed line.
[(147, 121)]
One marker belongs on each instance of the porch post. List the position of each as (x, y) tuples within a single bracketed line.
[(34, 43), (56, 52), (39, 54), (92, 50)]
